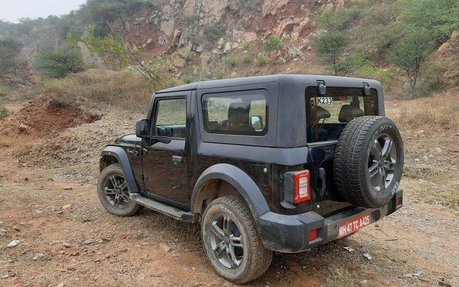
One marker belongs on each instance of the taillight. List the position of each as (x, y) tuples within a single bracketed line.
[(313, 235), (302, 187)]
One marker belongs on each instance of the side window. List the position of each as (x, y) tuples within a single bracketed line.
[(171, 118), (238, 115)]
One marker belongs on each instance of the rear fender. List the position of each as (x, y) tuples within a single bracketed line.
[(246, 187)]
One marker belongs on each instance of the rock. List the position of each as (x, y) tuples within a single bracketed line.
[(293, 51), (347, 248), (14, 243), (16, 228), (364, 282), (60, 284), (88, 241), (270, 7), (68, 188), (66, 244), (249, 37), (38, 256), (149, 40), (415, 274), (167, 27), (8, 274), (67, 206), (23, 127), (367, 256), (227, 47), (165, 247)]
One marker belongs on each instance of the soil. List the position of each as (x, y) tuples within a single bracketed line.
[(48, 202)]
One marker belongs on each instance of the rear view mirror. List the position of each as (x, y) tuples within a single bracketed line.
[(257, 123), (142, 129)]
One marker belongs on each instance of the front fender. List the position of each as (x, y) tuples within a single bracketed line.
[(240, 181), (125, 164)]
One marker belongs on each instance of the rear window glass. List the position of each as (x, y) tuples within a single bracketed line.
[(237, 115), (327, 115)]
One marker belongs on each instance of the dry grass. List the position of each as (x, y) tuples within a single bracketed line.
[(99, 89)]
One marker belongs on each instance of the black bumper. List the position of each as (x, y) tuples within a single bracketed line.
[(290, 233)]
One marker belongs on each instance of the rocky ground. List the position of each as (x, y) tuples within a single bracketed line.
[(54, 232)]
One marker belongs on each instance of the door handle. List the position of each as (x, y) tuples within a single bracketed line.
[(176, 159)]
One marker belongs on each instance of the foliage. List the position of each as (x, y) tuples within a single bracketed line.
[(433, 79), (101, 12), (214, 33), (439, 17), (272, 43), (262, 60), (330, 45), (9, 52), (247, 59), (3, 113), (338, 20), (114, 52), (409, 55), (4, 90), (231, 61), (60, 63)]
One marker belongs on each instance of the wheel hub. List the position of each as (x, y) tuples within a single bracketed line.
[(226, 242), (382, 162)]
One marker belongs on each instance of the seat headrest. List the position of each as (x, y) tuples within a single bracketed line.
[(238, 113), (349, 112)]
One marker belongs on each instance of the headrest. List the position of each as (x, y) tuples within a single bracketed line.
[(238, 113), (349, 112), (322, 113)]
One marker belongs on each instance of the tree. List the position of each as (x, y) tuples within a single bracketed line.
[(330, 45), (9, 51), (114, 51), (60, 63), (410, 53)]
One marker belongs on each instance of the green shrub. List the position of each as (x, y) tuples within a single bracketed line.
[(231, 61), (273, 43), (262, 60), (59, 64), (4, 91), (9, 52), (330, 45), (433, 80), (3, 113), (214, 33), (247, 59)]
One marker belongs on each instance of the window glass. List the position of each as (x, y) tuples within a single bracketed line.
[(327, 115), (171, 118), (239, 115)]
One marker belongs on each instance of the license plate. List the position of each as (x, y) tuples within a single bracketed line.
[(353, 225)]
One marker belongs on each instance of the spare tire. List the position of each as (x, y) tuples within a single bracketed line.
[(368, 161)]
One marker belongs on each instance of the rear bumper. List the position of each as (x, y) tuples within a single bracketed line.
[(290, 233)]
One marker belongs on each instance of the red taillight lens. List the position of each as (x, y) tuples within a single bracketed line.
[(313, 235), (302, 187)]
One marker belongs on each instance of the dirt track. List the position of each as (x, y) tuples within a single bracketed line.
[(67, 239)]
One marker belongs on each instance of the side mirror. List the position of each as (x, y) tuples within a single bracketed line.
[(257, 123), (142, 129)]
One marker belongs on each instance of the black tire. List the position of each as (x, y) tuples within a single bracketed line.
[(113, 192), (368, 161), (238, 264)]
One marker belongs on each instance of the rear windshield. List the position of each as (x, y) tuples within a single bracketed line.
[(328, 115)]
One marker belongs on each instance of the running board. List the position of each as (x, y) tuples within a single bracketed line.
[(163, 208)]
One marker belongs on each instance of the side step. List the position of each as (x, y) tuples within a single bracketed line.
[(163, 208)]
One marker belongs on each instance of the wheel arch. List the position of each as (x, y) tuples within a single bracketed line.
[(224, 179), (113, 154)]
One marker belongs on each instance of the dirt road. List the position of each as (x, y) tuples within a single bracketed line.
[(67, 239)]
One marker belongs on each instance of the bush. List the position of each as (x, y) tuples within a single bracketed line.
[(59, 64), (433, 80), (273, 43), (262, 60), (214, 33), (338, 20), (9, 51), (4, 90), (3, 113), (231, 61), (330, 45), (247, 59)]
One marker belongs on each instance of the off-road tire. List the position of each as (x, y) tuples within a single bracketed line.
[(353, 161), (129, 207), (256, 259)]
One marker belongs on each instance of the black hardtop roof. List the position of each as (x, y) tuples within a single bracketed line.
[(293, 78)]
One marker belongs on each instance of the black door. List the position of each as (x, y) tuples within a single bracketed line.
[(165, 161)]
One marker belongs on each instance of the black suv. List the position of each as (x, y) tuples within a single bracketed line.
[(273, 163)]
